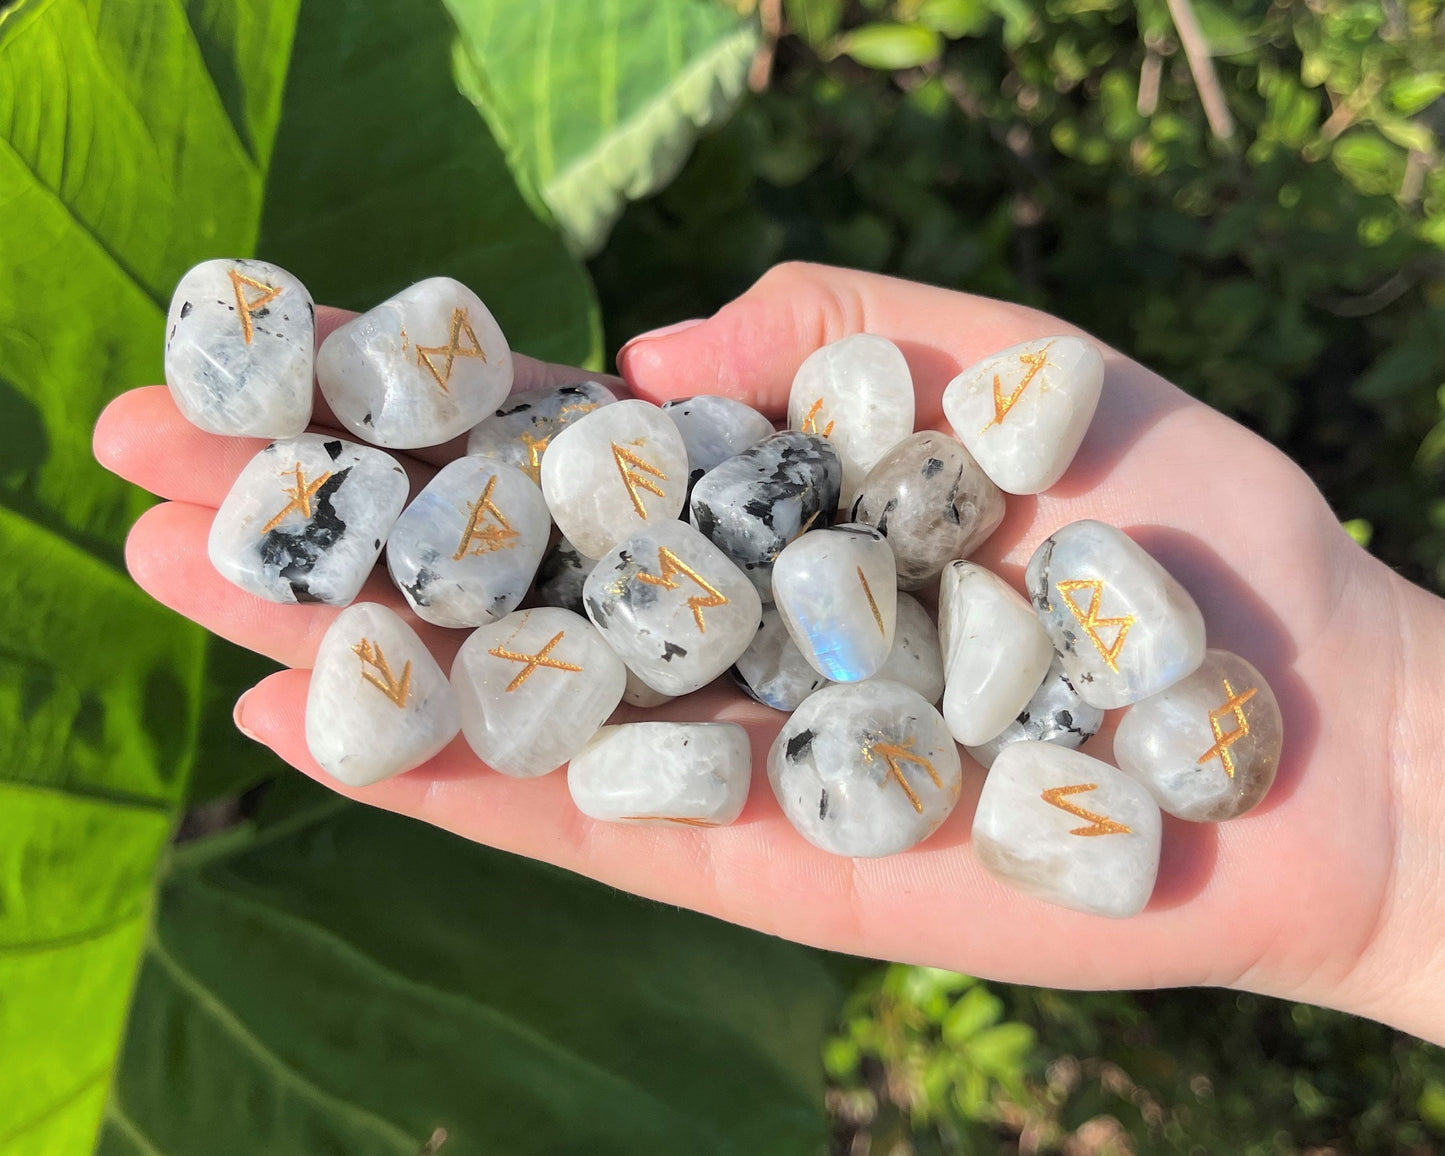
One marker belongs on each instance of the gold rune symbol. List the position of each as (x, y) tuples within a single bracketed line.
[(671, 566), (451, 350), (872, 605), (1089, 619), (389, 685), (480, 538), (810, 423), (1001, 404), (896, 754), (577, 407), (635, 480), (1098, 824), (1222, 741), (239, 282), (533, 661), (301, 494), (535, 446)]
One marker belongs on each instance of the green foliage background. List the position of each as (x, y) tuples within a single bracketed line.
[(315, 977)]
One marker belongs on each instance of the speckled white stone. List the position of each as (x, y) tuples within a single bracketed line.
[(523, 427), (378, 703), (465, 550), (1207, 748), (613, 472), (663, 774), (637, 693), (419, 369), (838, 594), (916, 659), (672, 606), (1104, 862), (240, 344), (866, 396), (1143, 633), (714, 429), (996, 652), (560, 576), (1055, 714), (1023, 413), (772, 669), (525, 718), (306, 518), (865, 769)]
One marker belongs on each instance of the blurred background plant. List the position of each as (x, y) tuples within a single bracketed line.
[(200, 954)]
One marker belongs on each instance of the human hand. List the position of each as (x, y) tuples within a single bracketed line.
[(1322, 893)]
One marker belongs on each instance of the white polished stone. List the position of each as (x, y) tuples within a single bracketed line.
[(772, 669), (663, 774), (1023, 413), (865, 769), (714, 429), (672, 606), (1055, 714), (838, 594), (916, 659), (524, 425), (933, 502), (996, 653), (560, 576), (534, 688), (637, 693), (306, 518), (465, 550), (858, 393), (614, 472), (1125, 628), (240, 345), (1068, 829), (419, 369), (1207, 748), (378, 703)]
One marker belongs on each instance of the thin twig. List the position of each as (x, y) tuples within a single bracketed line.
[(1206, 80), (770, 14)]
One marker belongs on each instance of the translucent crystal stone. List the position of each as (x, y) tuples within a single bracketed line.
[(378, 703), (534, 688), (865, 769), (1023, 413), (916, 659), (931, 500), (1068, 829), (663, 774), (637, 693), (240, 344), (1125, 628), (838, 595), (613, 472), (560, 576), (773, 670), (714, 429), (1055, 714), (465, 550), (1207, 748), (306, 518), (857, 393), (419, 369), (672, 606), (521, 430)]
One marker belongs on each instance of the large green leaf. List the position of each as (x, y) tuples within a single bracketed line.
[(598, 102), (337, 979)]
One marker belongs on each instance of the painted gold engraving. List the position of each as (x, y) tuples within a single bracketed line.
[(683, 819), (577, 407), (483, 537), (451, 350), (671, 566), (1222, 740), (810, 423), (246, 307), (533, 661), (636, 478), (1034, 363), (301, 494), (535, 446), (872, 604), (1098, 824), (1089, 619), (394, 688), (896, 754)]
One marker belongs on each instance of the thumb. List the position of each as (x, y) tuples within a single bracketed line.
[(751, 348)]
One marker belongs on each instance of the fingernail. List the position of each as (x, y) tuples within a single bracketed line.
[(666, 330), (237, 712)]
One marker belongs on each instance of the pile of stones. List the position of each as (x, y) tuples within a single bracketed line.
[(603, 550)]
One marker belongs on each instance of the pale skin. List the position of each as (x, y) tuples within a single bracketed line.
[(1328, 892)]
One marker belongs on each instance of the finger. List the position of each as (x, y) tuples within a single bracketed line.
[(166, 554)]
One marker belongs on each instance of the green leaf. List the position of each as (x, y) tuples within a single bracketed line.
[(889, 47), (1002, 1050), (598, 104), (338, 979), (1413, 92), (954, 18), (814, 20), (1371, 164), (977, 1009)]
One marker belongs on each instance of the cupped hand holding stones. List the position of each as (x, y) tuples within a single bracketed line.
[(1318, 894)]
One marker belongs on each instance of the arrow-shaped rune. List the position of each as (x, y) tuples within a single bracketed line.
[(395, 689)]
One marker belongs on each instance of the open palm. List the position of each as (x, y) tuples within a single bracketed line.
[(1302, 897)]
